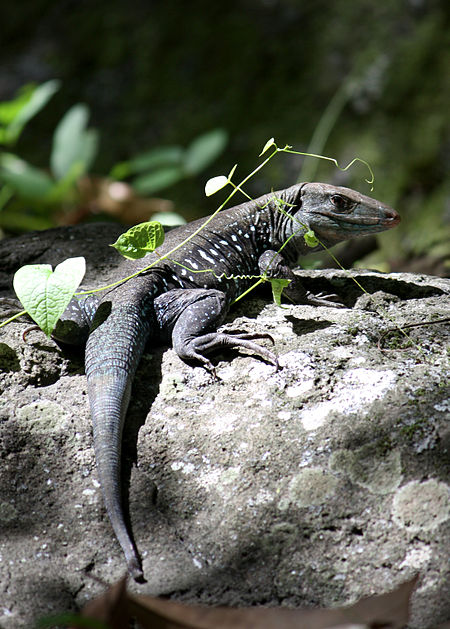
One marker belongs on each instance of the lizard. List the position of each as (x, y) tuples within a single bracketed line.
[(183, 299)]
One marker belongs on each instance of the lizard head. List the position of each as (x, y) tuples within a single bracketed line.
[(335, 213)]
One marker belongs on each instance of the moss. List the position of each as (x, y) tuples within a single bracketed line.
[(397, 340), (421, 506), (309, 487), (376, 467), (414, 430), (383, 446)]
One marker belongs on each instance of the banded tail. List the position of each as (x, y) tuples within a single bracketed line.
[(114, 348)]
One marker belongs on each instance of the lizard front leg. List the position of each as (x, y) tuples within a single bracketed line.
[(193, 315), (272, 265)]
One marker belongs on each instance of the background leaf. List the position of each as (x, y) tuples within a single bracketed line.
[(12, 220), (204, 150), (155, 158), (25, 108), (10, 108), (73, 143), (26, 180), (157, 180), (169, 219), (61, 190)]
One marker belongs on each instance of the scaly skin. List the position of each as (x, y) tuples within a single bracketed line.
[(172, 303)]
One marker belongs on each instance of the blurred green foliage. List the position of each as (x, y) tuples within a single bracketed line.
[(29, 194), (31, 197), (162, 167)]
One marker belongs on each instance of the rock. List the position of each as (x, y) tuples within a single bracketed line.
[(316, 485)]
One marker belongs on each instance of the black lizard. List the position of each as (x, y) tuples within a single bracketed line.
[(182, 306)]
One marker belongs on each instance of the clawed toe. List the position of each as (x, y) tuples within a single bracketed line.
[(192, 354), (251, 336), (245, 340), (323, 299), (197, 348)]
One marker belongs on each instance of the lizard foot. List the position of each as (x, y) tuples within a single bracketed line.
[(322, 299), (196, 348)]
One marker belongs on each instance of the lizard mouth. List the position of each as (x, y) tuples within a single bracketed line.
[(387, 217)]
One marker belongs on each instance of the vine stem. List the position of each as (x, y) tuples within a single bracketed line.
[(239, 188), (189, 238), (16, 316)]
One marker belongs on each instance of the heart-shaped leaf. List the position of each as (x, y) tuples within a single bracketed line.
[(278, 285), (44, 293)]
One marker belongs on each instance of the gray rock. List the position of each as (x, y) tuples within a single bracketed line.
[(316, 485)]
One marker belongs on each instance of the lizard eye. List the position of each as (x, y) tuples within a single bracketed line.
[(341, 203)]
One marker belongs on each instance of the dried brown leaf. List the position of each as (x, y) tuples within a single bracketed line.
[(111, 607), (389, 611)]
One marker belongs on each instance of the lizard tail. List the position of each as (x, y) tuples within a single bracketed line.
[(113, 351)]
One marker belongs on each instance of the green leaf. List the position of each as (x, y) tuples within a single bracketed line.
[(72, 620), (64, 187), (267, 146), (26, 180), (140, 240), (10, 108), (156, 158), (215, 184), (169, 219), (73, 143), (204, 150), (310, 238), (278, 285), (157, 180), (231, 173), (20, 220), (45, 294), (28, 107)]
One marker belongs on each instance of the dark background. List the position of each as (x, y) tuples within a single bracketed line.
[(163, 72)]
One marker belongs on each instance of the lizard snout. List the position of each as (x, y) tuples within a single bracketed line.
[(391, 217)]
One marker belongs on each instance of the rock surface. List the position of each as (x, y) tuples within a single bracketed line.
[(312, 486)]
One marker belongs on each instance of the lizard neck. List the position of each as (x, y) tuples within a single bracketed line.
[(290, 224)]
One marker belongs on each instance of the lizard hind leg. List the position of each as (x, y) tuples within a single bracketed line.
[(193, 316), (74, 324)]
